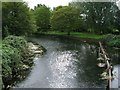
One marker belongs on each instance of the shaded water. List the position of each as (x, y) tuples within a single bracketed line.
[(115, 57), (66, 64)]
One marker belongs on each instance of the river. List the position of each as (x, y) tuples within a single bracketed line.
[(66, 64)]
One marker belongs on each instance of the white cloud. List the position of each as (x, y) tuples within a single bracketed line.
[(49, 3)]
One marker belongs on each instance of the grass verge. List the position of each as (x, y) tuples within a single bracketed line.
[(79, 35)]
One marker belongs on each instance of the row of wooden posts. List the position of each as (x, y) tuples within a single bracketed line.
[(105, 62)]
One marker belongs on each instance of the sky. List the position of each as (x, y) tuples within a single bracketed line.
[(52, 3), (118, 4), (49, 3)]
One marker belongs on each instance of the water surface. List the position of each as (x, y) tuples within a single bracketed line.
[(66, 64)]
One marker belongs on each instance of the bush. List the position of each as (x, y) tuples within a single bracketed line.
[(11, 63), (113, 40), (16, 57), (11, 58), (18, 42), (14, 50)]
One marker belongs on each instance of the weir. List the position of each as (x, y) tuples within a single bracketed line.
[(106, 60)]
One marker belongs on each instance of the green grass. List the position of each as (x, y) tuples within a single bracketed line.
[(79, 35)]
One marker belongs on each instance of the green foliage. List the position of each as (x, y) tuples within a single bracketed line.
[(98, 16), (57, 8), (65, 19), (113, 40), (42, 17), (16, 19), (14, 51), (10, 60), (18, 42), (117, 20), (79, 35)]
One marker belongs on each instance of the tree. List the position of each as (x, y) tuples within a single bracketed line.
[(65, 19), (17, 19), (117, 20), (99, 16), (57, 8), (42, 17), (82, 26)]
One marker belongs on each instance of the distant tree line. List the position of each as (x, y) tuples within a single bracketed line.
[(99, 17), (94, 17)]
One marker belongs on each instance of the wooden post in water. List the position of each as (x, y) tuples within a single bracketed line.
[(108, 65)]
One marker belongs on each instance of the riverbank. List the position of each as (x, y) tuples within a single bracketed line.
[(108, 39), (84, 37), (78, 35), (17, 59)]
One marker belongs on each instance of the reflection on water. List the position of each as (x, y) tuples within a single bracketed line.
[(63, 70), (115, 57), (115, 81), (67, 64)]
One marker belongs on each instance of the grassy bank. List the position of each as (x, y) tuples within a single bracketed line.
[(79, 35), (110, 40)]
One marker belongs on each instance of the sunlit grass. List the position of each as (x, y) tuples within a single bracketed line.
[(79, 34)]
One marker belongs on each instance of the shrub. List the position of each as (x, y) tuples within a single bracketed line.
[(13, 52), (113, 40), (11, 58), (11, 63), (15, 58), (18, 42)]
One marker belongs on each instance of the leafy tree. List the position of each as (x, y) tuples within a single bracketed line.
[(82, 26), (57, 8), (99, 16), (17, 19), (117, 20), (65, 19), (42, 17)]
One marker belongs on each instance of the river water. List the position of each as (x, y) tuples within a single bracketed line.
[(66, 64)]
